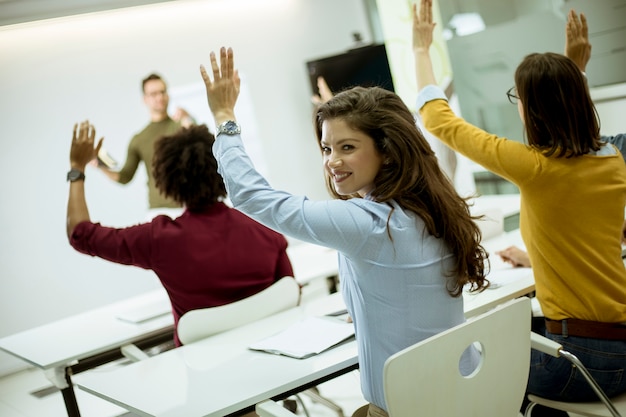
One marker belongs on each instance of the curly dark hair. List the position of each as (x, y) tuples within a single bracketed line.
[(411, 176), (185, 169)]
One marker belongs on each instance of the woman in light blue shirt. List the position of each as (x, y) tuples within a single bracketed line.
[(406, 241)]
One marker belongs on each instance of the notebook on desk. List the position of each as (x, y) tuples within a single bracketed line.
[(306, 338)]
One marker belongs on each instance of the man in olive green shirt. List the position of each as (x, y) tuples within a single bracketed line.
[(141, 147)]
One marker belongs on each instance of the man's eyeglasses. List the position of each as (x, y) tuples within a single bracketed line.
[(511, 95)]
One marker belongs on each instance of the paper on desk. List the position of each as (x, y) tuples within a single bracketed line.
[(306, 338), (500, 277)]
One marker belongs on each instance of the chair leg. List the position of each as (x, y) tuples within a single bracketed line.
[(304, 409), (313, 393), (592, 382), (529, 409)]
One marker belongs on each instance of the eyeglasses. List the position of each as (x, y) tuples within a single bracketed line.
[(511, 95)]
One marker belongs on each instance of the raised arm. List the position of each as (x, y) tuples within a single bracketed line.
[(325, 93), (82, 152), (577, 46), (223, 90), (423, 27)]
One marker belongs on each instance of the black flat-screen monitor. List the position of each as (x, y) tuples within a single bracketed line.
[(366, 66)]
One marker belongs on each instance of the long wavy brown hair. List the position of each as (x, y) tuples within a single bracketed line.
[(411, 176)]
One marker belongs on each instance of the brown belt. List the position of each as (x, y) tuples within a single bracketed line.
[(584, 328)]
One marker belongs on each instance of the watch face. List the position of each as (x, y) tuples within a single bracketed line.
[(230, 128), (75, 175)]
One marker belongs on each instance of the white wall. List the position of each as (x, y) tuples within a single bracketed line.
[(58, 72), (611, 103)]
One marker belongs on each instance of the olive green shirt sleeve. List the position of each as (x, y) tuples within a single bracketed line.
[(132, 163)]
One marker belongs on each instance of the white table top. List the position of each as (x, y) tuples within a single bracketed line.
[(219, 375), (63, 342)]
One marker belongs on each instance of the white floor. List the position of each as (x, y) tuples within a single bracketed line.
[(17, 399)]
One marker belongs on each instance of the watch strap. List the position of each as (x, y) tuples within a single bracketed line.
[(229, 127), (75, 175)]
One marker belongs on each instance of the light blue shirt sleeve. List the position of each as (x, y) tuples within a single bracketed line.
[(429, 93), (619, 141), (339, 224)]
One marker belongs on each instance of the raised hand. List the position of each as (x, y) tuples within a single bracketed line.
[(324, 92), (577, 46), (223, 90), (423, 25), (82, 150)]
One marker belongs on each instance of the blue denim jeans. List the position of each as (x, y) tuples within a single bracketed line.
[(557, 379)]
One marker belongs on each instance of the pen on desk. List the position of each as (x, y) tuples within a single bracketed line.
[(338, 313)]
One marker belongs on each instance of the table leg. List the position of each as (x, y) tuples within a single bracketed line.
[(70, 401), (61, 378), (332, 282)]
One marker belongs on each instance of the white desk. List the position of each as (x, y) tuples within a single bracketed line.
[(89, 339), (219, 376)]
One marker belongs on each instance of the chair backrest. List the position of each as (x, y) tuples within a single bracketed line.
[(204, 322), (425, 379)]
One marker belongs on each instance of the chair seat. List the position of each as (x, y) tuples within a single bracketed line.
[(591, 409)]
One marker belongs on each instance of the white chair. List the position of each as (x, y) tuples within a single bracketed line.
[(425, 379), (605, 407), (204, 322)]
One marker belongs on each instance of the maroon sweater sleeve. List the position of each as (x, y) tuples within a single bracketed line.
[(128, 246)]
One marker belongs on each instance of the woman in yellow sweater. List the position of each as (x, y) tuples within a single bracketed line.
[(573, 194)]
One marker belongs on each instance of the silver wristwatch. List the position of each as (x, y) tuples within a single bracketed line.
[(229, 127)]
